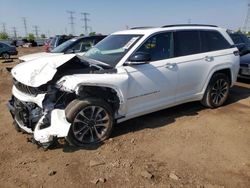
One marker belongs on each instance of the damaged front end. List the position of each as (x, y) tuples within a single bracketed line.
[(40, 111), (44, 88), (38, 106)]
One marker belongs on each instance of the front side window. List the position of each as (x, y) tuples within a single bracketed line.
[(186, 43), (159, 46), (213, 41), (112, 49)]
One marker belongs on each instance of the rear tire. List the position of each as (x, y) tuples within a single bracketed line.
[(91, 121), (217, 91)]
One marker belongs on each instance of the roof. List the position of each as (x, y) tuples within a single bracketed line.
[(151, 30)]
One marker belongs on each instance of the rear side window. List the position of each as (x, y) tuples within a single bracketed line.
[(213, 41), (186, 43)]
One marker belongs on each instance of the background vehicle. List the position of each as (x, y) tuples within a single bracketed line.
[(7, 50), (40, 42), (128, 74), (46, 44), (241, 39), (78, 45), (57, 40)]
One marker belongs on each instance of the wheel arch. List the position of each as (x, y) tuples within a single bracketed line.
[(112, 95), (225, 70)]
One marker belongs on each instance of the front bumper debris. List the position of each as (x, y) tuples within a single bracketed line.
[(44, 125)]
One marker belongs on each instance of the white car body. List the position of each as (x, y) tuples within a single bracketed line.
[(34, 56), (141, 89)]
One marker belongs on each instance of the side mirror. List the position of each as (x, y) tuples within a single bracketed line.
[(243, 49), (139, 58)]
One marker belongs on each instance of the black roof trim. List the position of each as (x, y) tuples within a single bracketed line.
[(146, 27), (192, 25)]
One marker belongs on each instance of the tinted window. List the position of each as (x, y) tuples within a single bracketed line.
[(61, 40), (186, 43), (240, 38), (236, 38), (82, 46), (212, 41), (159, 46)]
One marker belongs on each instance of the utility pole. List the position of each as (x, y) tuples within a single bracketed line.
[(4, 27), (85, 19), (246, 25), (25, 25), (71, 21), (14, 32), (36, 30)]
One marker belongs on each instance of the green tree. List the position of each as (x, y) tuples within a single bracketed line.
[(31, 36), (3, 35), (43, 36), (92, 33), (81, 35)]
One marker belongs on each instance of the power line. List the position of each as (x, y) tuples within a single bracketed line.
[(71, 21), (85, 19), (14, 32), (4, 27), (36, 30), (25, 25), (247, 20)]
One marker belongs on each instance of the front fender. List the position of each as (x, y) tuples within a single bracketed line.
[(117, 82)]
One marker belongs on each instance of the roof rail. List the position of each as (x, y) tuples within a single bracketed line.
[(146, 27), (183, 25)]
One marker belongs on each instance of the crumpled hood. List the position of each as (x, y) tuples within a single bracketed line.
[(39, 71), (38, 55)]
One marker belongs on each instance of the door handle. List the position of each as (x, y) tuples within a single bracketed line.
[(209, 58), (170, 65)]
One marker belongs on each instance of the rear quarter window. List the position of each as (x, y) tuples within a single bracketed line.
[(213, 41)]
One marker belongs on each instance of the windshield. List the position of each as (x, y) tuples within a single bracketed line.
[(62, 47), (112, 49)]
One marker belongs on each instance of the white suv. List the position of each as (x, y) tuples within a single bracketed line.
[(128, 74)]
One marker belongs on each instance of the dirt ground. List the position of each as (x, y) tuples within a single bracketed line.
[(184, 146)]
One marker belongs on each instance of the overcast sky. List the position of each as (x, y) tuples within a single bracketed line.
[(107, 16)]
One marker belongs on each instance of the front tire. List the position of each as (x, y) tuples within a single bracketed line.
[(91, 121), (217, 91)]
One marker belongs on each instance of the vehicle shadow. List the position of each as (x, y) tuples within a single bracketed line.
[(164, 117)]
